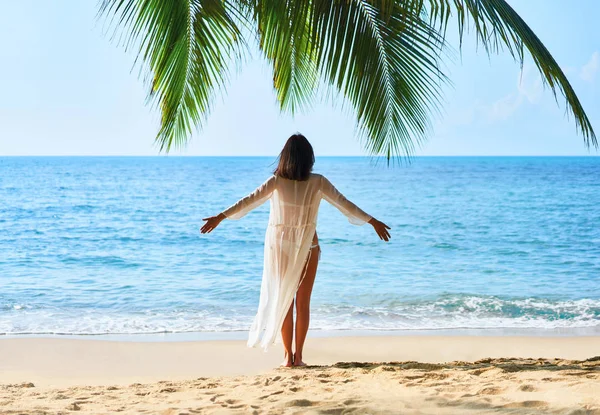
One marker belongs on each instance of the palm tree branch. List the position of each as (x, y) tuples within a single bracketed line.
[(498, 25), (185, 46), (383, 56), (385, 65), (283, 29)]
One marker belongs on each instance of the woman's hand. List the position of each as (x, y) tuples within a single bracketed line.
[(211, 223), (381, 229)]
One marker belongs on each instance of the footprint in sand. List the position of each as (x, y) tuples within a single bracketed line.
[(299, 402), (271, 394), (551, 379), (490, 391), (335, 411), (168, 390), (527, 404), (478, 372), (436, 376), (215, 397), (271, 380), (526, 388), (60, 396), (234, 404), (433, 384)]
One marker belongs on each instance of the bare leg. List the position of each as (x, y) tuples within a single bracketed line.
[(287, 333), (303, 304)]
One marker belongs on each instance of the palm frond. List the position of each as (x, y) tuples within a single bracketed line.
[(283, 29), (383, 56), (187, 45), (385, 64), (497, 26)]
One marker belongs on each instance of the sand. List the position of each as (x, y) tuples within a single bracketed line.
[(397, 374)]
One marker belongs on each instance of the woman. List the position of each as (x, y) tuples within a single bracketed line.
[(291, 245)]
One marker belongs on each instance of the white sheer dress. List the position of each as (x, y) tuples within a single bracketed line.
[(292, 226)]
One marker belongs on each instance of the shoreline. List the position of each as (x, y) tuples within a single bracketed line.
[(241, 334)]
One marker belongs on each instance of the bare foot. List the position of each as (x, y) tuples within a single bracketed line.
[(298, 361), (287, 361)]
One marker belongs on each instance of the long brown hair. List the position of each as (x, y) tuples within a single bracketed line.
[(296, 160)]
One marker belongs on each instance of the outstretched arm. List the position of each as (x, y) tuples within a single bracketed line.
[(252, 201), (242, 206), (354, 214)]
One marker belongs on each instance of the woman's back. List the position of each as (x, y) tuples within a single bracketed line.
[(295, 202)]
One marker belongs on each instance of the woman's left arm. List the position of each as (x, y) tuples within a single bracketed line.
[(242, 206), (355, 214)]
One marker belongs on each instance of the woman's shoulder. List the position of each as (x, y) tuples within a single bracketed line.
[(319, 178), (270, 181)]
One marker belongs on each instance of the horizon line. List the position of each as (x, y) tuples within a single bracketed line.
[(276, 155)]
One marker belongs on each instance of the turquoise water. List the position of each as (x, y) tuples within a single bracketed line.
[(111, 245)]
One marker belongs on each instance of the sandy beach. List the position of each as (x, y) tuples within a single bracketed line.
[(376, 374)]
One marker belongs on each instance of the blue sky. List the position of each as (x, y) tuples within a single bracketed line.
[(66, 89)]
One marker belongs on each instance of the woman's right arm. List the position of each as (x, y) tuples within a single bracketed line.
[(242, 206), (252, 201)]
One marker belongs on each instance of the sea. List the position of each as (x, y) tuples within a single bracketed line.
[(111, 246)]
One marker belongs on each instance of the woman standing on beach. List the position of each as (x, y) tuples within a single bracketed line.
[(291, 245)]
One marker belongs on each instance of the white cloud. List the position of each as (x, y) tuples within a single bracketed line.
[(503, 108), (589, 70), (529, 89)]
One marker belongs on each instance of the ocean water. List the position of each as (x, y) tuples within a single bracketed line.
[(110, 245)]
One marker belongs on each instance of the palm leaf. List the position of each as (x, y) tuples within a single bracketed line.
[(283, 28), (186, 45), (383, 56), (385, 61), (498, 26)]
